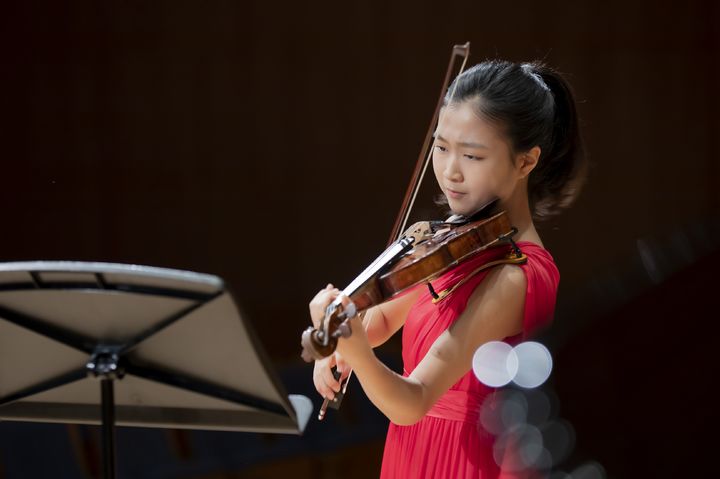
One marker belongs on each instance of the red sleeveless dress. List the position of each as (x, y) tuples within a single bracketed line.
[(450, 442)]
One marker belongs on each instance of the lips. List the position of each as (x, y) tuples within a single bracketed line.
[(454, 194)]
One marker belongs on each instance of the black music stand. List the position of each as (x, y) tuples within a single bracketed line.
[(103, 343)]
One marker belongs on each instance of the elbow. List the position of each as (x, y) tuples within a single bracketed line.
[(409, 416), (413, 410), (406, 421)]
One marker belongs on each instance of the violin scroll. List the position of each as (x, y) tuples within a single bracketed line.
[(322, 342)]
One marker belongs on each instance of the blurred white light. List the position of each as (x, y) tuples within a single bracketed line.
[(534, 364), (491, 414), (495, 363), (543, 462), (530, 446), (514, 409), (590, 470), (539, 406), (559, 439), (519, 448)]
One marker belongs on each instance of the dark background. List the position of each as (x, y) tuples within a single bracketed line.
[(271, 144)]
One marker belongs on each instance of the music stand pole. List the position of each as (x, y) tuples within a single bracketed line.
[(108, 428), (104, 364)]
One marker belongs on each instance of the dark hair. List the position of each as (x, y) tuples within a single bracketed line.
[(535, 106)]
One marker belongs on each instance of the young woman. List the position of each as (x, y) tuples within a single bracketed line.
[(506, 131)]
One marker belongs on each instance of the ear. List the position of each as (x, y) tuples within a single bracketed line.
[(527, 161)]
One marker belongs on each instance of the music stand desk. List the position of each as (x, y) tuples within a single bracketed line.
[(104, 343)]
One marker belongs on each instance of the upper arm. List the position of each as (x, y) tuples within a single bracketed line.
[(494, 311)]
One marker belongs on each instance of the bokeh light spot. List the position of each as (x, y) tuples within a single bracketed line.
[(559, 439), (514, 409), (519, 448), (589, 470), (540, 409), (534, 364), (495, 363)]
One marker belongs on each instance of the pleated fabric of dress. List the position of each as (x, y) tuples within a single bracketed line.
[(450, 442)]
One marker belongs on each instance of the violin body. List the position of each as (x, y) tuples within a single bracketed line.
[(447, 248), (424, 252)]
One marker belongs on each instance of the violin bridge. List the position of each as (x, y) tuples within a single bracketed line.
[(420, 231)]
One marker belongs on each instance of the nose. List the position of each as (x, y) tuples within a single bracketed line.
[(452, 170)]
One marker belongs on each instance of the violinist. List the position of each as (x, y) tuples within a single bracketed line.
[(505, 131)]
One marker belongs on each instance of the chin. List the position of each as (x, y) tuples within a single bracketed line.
[(460, 210), (467, 210)]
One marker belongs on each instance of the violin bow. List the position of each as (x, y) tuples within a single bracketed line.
[(417, 176), (425, 153)]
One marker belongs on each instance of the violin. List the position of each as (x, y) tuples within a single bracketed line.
[(424, 252), (420, 254)]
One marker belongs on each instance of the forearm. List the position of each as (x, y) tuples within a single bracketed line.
[(400, 399), (376, 327)]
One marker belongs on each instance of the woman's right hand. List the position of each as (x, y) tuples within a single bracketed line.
[(325, 382)]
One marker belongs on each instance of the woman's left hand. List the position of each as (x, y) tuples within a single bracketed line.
[(320, 302), (352, 347)]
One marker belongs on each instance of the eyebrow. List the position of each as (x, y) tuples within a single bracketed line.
[(462, 143)]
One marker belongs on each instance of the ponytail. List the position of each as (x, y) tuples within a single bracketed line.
[(556, 181)]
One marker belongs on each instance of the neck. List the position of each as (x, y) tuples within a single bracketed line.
[(517, 207)]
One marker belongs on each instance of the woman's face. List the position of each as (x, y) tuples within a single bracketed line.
[(472, 160)]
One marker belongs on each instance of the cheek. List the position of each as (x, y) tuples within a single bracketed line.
[(490, 175), (482, 173), (437, 167), (503, 179)]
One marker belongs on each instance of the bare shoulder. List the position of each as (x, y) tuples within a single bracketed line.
[(506, 279), (495, 308)]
